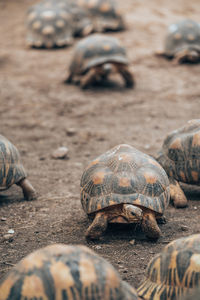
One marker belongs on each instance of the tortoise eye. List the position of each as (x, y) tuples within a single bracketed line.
[(133, 214)]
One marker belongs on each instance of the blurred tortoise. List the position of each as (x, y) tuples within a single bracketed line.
[(124, 185), (180, 157), (82, 24), (192, 295), (65, 272), (174, 272), (97, 56), (104, 15), (12, 171), (182, 43)]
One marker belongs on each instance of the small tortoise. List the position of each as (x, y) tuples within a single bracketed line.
[(174, 272), (49, 25), (12, 171), (104, 15), (124, 185), (182, 43), (65, 272), (180, 157), (95, 57)]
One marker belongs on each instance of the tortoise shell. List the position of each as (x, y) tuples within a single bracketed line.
[(180, 153), (95, 50), (173, 272), (49, 24), (183, 35), (11, 168), (124, 175), (104, 14), (65, 272)]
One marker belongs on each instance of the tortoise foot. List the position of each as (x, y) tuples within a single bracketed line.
[(98, 227), (28, 190), (150, 226), (177, 195)]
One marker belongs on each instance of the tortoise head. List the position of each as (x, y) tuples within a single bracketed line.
[(187, 55), (132, 213)]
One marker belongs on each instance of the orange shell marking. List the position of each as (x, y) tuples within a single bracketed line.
[(105, 7), (124, 182), (98, 178), (176, 144), (196, 139), (33, 285), (195, 176), (150, 177)]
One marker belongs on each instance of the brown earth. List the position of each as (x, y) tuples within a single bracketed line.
[(37, 110)]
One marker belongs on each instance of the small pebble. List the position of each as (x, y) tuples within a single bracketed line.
[(132, 242), (98, 247), (71, 131), (125, 271), (3, 219), (184, 228), (195, 207), (11, 231), (147, 146), (60, 153)]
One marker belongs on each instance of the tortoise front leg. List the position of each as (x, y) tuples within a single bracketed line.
[(98, 226), (28, 190), (89, 78), (150, 226), (126, 75), (176, 193), (69, 78)]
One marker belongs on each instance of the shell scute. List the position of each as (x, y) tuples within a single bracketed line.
[(174, 271), (131, 178)]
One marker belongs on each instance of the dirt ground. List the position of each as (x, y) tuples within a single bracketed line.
[(37, 110)]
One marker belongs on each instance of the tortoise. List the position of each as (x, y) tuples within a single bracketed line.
[(49, 25), (12, 170), (95, 57), (174, 272), (82, 24), (104, 14), (182, 43), (65, 272), (124, 185), (180, 157)]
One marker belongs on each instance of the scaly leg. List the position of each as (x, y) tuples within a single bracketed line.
[(126, 75), (28, 190), (177, 195), (150, 226), (98, 226), (89, 78)]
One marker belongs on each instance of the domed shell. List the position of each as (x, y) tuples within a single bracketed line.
[(49, 25), (95, 50), (11, 169), (65, 272), (104, 13), (174, 271), (183, 35), (124, 175), (181, 153)]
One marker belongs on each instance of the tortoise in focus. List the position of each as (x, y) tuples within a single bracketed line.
[(180, 157), (97, 56), (104, 14), (182, 43), (12, 170), (49, 25), (65, 272), (124, 185), (174, 272)]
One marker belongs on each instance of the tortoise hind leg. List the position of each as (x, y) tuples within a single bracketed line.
[(28, 190), (150, 226), (177, 195), (98, 226)]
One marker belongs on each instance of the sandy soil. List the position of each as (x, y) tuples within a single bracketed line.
[(37, 110)]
